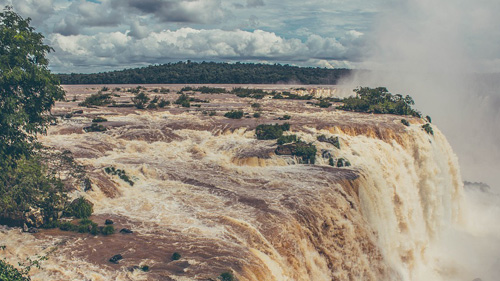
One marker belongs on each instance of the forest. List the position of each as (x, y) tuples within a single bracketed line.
[(211, 73)]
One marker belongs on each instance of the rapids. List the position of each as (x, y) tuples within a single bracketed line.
[(207, 189)]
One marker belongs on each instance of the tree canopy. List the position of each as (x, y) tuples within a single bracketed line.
[(379, 100), (211, 73), (27, 88), (27, 93)]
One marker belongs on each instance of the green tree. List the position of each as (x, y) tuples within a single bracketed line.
[(27, 93), (27, 88)]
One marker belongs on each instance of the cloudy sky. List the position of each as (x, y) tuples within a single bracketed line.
[(97, 35)]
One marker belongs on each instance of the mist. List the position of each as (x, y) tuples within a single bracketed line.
[(446, 55)]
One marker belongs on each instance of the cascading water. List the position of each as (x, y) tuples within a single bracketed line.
[(205, 187)]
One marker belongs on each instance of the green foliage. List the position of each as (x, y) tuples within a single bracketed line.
[(145, 268), (97, 99), (162, 103), (94, 127), (428, 118), (250, 93), (187, 89), (428, 129), (256, 105), (379, 100), (270, 132), (331, 140), (211, 73), (99, 119), (108, 230), (175, 256), (256, 115), (324, 104), (234, 114), (183, 100), (120, 173), (9, 273), (405, 122), (287, 139), (104, 89), (27, 88), (210, 90), (27, 184), (286, 117), (79, 208), (140, 100), (331, 162), (226, 276), (306, 151), (341, 162)]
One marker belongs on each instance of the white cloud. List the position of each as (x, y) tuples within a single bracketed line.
[(117, 48)]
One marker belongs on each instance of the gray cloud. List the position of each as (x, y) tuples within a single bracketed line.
[(192, 11)]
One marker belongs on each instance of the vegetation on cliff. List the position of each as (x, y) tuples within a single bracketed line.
[(379, 100)]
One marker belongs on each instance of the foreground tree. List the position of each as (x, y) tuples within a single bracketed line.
[(27, 88), (27, 93)]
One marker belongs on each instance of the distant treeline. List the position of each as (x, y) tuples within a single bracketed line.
[(211, 73)]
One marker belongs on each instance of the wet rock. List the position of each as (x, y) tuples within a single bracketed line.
[(87, 184), (286, 149), (34, 217), (115, 258), (108, 221), (126, 231), (33, 230)]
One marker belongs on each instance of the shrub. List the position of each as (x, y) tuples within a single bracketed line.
[(140, 100), (79, 208), (287, 139), (331, 140), (95, 128), (120, 173), (341, 162), (428, 118), (226, 276), (256, 105), (212, 113), (104, 89), (187, 88), (234, 114), (331, 162), (162, 103), (405, 122), (99, 119), (307, 152), (210, 90), (256, 115), (286, 117), (324, 104), (108, 230), (176, 256), (145, 268), (270, 132), (183, 100), (98, 99), (428, 129)]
